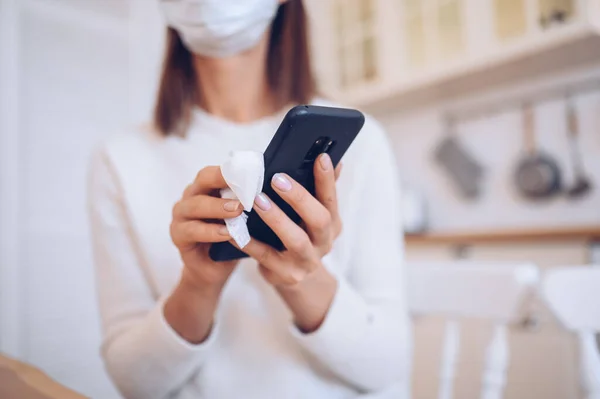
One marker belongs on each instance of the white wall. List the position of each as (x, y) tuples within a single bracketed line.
[(9, 235), (85, 71), (495, 140), (74, 91)]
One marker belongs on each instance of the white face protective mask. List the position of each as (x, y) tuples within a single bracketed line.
[(219, 28)]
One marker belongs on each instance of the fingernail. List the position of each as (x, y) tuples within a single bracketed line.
[(231, 206), (262, 202), (325, 161), (281, 182), (223, 231)]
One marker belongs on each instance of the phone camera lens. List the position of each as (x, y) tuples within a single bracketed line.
[(327, 147), (321, 145)]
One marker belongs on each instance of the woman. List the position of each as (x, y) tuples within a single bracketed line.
[(324, 319)]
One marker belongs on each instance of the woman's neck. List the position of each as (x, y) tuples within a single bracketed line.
[(236, 88)]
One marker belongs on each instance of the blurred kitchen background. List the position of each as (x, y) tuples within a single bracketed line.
[(492, 106)]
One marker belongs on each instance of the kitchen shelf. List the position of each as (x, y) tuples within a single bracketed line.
[(587, 234), (574, 45)]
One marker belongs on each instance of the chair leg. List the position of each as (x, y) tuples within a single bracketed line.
[(590, 365), (496, 365), (449, 359)]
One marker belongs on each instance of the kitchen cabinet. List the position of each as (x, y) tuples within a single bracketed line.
[(510, 18), (449, 29), (355, 40), (391, 53), (544, 357), (416, 35), (433, 31)]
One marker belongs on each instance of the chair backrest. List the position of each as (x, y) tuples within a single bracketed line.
[(573, 294), (491, 291)]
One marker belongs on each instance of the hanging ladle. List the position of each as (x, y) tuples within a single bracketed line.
[(582, 183)]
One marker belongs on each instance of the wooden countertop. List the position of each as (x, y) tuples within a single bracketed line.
[(588, 234), (22, 380)]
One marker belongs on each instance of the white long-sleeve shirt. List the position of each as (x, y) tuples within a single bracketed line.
[(361, 350)]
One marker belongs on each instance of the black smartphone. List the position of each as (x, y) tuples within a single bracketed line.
[(306, 132)]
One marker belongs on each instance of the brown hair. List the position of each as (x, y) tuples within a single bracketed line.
[(288, 70)]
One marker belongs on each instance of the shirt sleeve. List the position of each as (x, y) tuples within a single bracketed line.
[(144, 356), (365, 337)]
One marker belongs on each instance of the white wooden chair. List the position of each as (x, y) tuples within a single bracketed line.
[(497, 293), (573, 294)]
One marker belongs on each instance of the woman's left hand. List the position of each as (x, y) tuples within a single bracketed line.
[(305, 246)]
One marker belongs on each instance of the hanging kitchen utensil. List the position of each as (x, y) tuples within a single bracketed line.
[(582, 184), (464, 171), (537, 175)]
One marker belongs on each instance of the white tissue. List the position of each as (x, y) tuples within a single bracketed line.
[(244, 173)]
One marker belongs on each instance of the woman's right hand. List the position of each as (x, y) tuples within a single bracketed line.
[(190, 308), (195, 227)]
